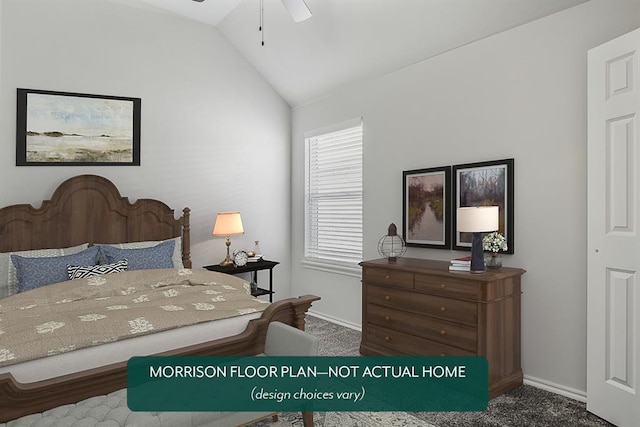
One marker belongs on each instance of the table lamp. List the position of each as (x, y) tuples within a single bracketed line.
[(227, 224), (477, 220)]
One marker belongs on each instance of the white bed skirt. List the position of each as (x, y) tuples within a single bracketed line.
[(123, 350)]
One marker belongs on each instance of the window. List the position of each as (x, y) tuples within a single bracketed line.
[(333, 198)]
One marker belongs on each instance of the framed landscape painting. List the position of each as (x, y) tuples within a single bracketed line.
[(426, 204), (74, 129), (484, 184)]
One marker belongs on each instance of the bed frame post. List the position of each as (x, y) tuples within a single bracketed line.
[(186, 238)]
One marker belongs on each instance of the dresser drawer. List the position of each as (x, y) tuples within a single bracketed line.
[(425, 327), (430, 305), (395, 342), (389, 277), (448, 286)]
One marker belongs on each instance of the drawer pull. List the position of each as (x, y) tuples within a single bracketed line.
[(387, 338), (442, 286), (387, 318), (386, 277), (443, 332), (387, 298), (443, 308), (443, 354)]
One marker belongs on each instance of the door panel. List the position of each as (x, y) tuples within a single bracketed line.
[(613, 297)]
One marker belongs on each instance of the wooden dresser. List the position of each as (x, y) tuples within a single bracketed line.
[(418, 307)]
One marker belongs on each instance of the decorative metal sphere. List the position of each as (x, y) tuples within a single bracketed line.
[(391, 246)]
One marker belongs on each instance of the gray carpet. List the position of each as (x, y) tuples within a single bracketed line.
[(525, 406)]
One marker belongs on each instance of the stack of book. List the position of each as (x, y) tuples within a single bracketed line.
[(460, 264)]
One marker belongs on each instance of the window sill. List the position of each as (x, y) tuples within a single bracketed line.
[(345, 269)]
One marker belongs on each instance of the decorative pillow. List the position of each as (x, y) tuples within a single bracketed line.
[(177, 249), (8, 279), (158, 256), (36, 272), (78, 272)]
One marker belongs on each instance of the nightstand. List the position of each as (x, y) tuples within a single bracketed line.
[(253, 268)]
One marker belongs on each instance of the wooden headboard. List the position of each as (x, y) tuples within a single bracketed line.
[(90, 209)]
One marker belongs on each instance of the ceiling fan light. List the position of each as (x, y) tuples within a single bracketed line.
[(298, 9)]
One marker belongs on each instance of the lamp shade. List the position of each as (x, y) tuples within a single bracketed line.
[(228, 224), (478, 219)]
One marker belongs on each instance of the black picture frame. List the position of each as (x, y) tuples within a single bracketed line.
[(76, 129), (485, 184), (426, 205)]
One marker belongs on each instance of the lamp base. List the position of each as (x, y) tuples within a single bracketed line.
[(477, 254), (226, 262)]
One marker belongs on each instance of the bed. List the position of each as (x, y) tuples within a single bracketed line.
[(89, 210)]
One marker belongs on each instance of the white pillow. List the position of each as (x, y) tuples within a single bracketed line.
[(177, 249), (8, 278)]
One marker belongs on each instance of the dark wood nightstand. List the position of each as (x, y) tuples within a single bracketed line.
[(253, 268)]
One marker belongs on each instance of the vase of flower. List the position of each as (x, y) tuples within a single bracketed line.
[(493, 260), (493, 243)]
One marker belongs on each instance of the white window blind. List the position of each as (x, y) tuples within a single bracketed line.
[(333, 202)]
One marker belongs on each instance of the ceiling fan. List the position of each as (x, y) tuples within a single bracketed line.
[(298, 9)]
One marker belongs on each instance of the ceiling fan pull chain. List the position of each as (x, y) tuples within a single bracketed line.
[(261, 29)]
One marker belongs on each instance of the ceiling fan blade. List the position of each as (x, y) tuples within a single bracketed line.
[(298, 9)]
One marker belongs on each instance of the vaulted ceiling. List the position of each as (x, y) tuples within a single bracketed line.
[(346, 41)]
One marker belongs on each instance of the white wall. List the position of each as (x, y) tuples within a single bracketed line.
[(215, 135), (520, 94), (1, 122)]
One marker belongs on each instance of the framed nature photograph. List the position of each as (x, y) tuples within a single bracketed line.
[(75, 129), (484, 184), (426, 205)]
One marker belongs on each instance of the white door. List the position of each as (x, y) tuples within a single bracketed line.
[(613, 226)]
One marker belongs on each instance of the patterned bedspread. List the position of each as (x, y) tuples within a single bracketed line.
[(85, 312)]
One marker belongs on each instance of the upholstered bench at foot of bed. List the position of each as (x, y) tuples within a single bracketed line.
[(112, 411)]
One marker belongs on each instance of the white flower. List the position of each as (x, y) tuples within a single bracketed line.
[(6, 355), (117, 307), (96, 281), (185, 272), (170, 293), (139, 325), (494, 242), (49, 327), (203, 306), (246, 310), (92, 317), (141, 298), (171, 308)]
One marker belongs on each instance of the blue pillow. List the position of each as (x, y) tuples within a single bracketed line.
[(158, 256), (36, 272)]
